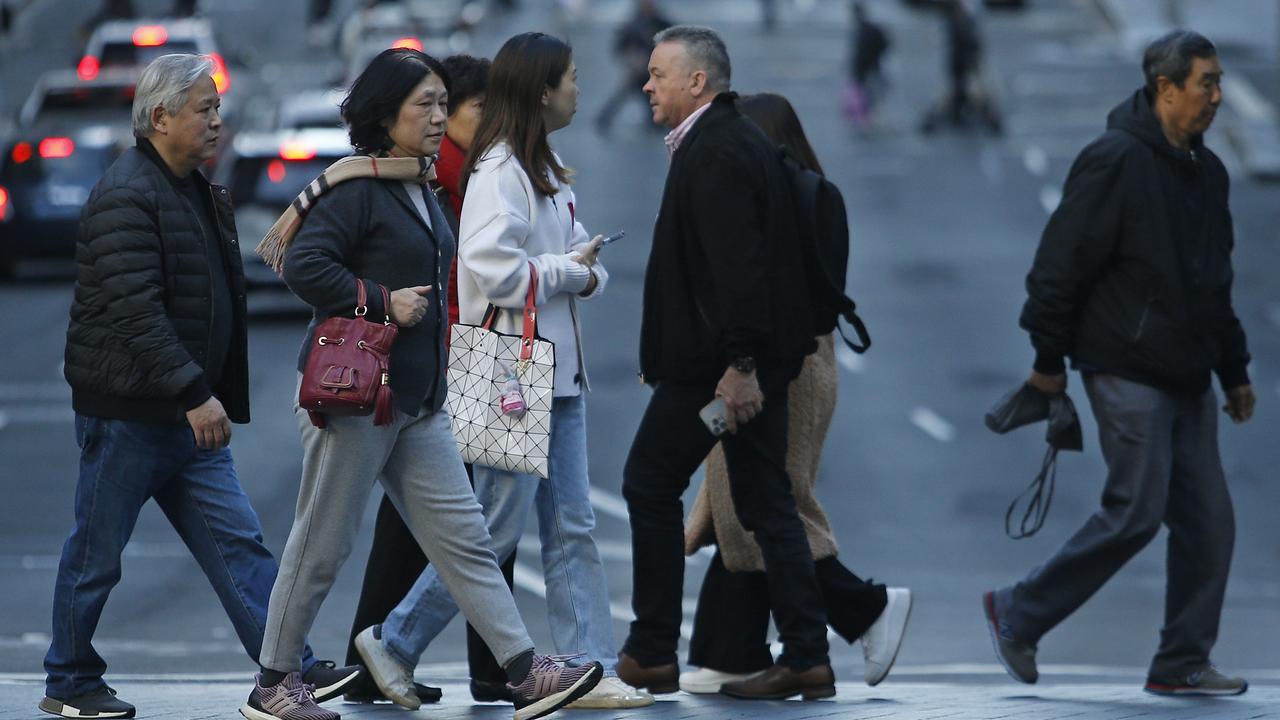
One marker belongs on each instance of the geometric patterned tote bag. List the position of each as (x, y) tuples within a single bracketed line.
[(479, 360)]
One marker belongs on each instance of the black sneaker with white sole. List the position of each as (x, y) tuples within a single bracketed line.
[(101, 703), (330, 680)]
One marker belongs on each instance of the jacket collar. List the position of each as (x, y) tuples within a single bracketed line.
[(721, 107), (1137, 117)]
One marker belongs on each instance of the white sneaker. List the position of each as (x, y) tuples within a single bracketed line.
[(705, 681), (881, 641), (609, 693), (392, 678)]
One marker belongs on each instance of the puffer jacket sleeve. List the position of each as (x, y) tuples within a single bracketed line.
[(496, 221), (1079, 237), (124, 247), (316, 265)]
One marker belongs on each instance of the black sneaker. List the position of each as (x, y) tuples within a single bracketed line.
[(368, 693), (329, 679), (101, 703), (490, 691)]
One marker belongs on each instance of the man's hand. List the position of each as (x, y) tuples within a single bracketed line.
[(1240, 402), (210, 425), (589, 253), (1048, 384), (742, 397), (409, 305)]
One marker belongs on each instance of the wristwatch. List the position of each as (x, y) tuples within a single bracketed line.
[(745, 364)]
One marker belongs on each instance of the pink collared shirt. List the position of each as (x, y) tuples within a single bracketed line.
[(675, 137)]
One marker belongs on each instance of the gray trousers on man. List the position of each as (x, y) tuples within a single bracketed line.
[(1162, 467), (417, 460)]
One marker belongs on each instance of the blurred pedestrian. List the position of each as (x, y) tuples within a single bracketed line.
[(520, 213), (382, 228), (396, 560), (724, 302), (970, 91), (157, 359), (866, 79), (632, 46), (1132, 281), (730, 627)]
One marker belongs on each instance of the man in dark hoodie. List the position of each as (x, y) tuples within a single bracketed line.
[(157, 359), (1132, 281)]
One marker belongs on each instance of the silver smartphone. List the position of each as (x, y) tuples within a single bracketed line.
[(613, 238), (713, 416)]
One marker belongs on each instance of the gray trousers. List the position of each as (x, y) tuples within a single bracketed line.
[(1162, 467), (418, 463)]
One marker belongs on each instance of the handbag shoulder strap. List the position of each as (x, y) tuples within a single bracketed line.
[(362, 299), (530, 329)]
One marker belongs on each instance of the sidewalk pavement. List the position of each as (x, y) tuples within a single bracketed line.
[(221, 698), (1245, 32)]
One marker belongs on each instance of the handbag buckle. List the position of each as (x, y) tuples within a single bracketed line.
[(338, 377)]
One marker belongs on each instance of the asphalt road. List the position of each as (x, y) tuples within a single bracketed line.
[(943, 232)]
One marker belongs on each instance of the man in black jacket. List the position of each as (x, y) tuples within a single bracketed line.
[(157, 359), (1132, 281), (725, 316)]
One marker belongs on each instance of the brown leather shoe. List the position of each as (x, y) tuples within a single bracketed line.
[(659, 679), (780, 683)]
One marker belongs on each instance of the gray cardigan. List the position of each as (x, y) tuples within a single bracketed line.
[(368, 228)]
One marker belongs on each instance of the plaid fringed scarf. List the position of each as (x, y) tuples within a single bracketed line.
[(273, 246)]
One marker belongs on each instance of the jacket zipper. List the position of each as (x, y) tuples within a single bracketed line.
[(1142, 321)]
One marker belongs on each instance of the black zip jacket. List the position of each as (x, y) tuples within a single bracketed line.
[(1133, 274), (142, 318), (725, 277)]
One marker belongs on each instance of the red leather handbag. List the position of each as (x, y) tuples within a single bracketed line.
[(346, 371)]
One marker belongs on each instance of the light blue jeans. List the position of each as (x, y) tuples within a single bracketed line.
[(577, 592)]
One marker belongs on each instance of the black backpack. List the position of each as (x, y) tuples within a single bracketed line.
[(823, 229)]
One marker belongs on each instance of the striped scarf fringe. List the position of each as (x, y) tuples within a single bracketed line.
[(273, 246)]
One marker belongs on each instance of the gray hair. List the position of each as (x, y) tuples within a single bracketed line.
[(706, 51), (1172, 55), (165, 83)]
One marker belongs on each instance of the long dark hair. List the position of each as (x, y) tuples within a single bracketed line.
[(380, 91), (775, 116), (522, 70)]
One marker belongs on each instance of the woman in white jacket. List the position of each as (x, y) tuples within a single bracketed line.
[(519, 212)]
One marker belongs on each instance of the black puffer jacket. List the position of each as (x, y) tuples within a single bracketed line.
[(1133, 275), (140, 322)]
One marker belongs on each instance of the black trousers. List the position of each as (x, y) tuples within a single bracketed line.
[(731, 627), (395, 562), (670, 444)]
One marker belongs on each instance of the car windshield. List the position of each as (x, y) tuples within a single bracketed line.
[(126, 54), (273, 181), (112, 102)]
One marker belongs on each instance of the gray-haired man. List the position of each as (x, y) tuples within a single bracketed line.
[(157, 360), (1132, 281)]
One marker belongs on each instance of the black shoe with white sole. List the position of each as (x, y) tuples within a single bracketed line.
[(329, 679), (101, 703)]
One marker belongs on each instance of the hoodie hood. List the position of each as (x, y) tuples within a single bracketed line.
[(1136, 117)]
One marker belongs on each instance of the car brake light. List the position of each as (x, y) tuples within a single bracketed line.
[(276, 171), (56, 147), (21, 152), (221, 78), (4, 203), (294, 150), (411, 43), (88, 68), (150, 36)]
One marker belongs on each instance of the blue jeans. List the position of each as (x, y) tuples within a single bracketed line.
[(577, 592), (122, 465)]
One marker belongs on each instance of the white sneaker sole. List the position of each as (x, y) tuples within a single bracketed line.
[(555, 701), (252, 714), (61, 709), (878, 671), (609, 703), (329, 692), (369, 654)]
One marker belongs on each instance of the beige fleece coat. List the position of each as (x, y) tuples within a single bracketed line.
[(811, 403)]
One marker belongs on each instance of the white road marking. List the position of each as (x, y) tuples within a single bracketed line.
[(36, 415), (1247, 101), (609, 504), (848, 359), (530, 580), (1050, 196), (1036, 160), (933, 424), (35, 391)]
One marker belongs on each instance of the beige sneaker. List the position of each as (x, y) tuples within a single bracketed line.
[(611, 693)]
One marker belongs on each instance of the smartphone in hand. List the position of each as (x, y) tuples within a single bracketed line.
[(713, 416), (613, 238)]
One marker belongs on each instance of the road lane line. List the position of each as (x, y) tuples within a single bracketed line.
[(848, 359), (1050, 196), (609, 503), (933, 424), (35, 391), (1036, 160), (36, 415)]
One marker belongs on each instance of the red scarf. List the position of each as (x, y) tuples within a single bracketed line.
[(449, 171)]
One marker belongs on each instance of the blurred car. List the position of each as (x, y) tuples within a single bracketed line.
[(437, 27), (133, 44), (265, 171), (68, 133), (310, 109)]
